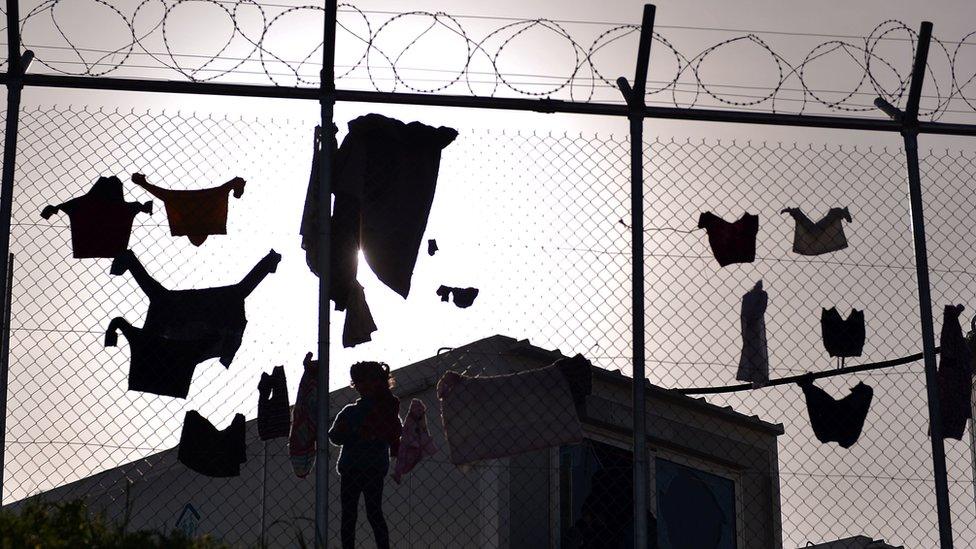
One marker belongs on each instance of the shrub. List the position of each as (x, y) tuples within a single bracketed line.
[(47, 525)]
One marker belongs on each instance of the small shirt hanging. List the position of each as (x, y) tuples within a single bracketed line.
[(195, 214), (273, 416), (824, 236), (833, 420), (731, 242), (209, 451), (160, 365), (955, 375), (101, 219), (754, 360), (842, 337)]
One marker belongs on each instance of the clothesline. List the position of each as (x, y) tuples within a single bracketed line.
[(810, 376)]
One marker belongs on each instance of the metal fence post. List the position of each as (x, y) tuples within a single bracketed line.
[(909, 121), (637, 106), (16, 65), (327, 102)]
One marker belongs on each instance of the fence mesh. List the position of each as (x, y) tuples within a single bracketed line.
[(539, 224)]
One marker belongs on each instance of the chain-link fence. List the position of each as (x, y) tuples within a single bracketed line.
[(539, 224)]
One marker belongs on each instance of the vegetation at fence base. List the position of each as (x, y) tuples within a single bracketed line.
[(45, 525)]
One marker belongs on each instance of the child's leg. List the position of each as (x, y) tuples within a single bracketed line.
[(350, 486), (373, 495)]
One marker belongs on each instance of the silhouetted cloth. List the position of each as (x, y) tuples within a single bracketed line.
[(842, 337), (209, 451), (824, 236), (833, 420), (358, 326), (273, 415), (301, 440), (384, 180), (101, 219), (955, 375), (192, 315), (368, 431), (432, 247), (731, 242), (463, 297), (415, 442), (196, 214), (500, 416), (159, 365), (693, 516), (754, 359)]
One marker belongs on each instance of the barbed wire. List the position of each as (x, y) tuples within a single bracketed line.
[(385, 51)]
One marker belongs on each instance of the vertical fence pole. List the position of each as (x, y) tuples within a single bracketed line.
[(327, 103), (15, 83), (5, 348), (909, 121), (637, 106)]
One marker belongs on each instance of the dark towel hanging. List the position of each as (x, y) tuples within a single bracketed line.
[(273, 415), (195, 214), (463, 297), (824, 236), (193, 315), (842, 337), (833, 420), (101, 219), (955, 375), (209, 451), (731, 242), (754, 359), (384, 180)]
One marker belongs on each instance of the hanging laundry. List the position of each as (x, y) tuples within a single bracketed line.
[(955, 375), (209, 451), (731, 242), (500, 416), (359, 325), (192, 315), (391, 167), (195, 214), (754, 360), (833, 420), (273, 414), (159, 365), (463, 297), (842, 337), (432, 247), (310, 213), (415, 441), (384, 180), (301, 440), (101, 219), (824, 236)]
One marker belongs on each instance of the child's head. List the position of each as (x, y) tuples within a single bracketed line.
[(370, 378)]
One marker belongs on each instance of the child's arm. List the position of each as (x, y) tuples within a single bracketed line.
[(341, 432)]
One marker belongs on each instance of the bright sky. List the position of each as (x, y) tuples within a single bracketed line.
[(508, 207)]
